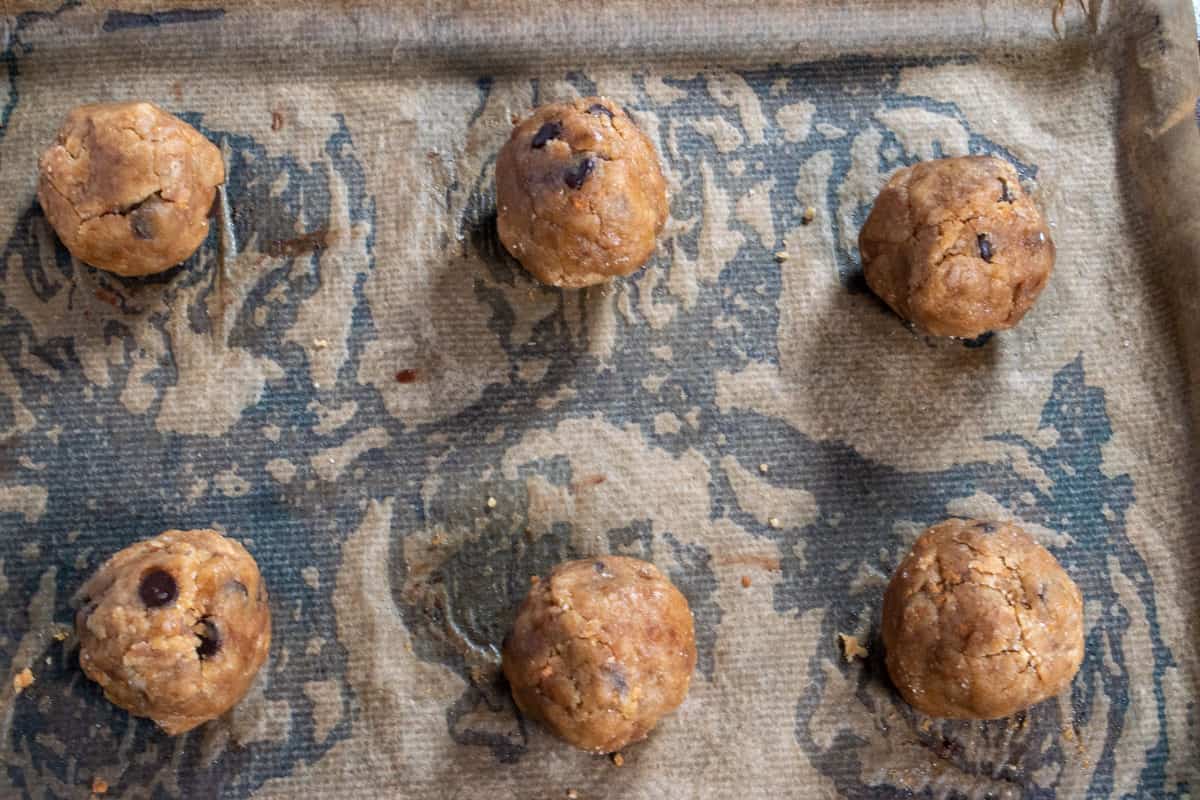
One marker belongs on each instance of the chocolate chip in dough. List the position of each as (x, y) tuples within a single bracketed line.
[(210, 638), (616, 676), (157, 588), (985, 247), (551, 130), (142, 224), (1005, 194), (579, 173)]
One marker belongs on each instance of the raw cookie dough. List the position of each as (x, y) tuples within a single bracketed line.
[(128, 187), (980, 621), (956, 246), (600, 650), (175, 628), (580, 193)]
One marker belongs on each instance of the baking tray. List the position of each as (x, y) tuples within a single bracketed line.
[(351, 368)]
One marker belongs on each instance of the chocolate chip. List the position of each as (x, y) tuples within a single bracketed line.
[(579, 173), (599, 108), (157, 588), (600, 567), (210, 638), (142, 224), (985, 247), (980, 340), (1005, 194), (616, 676), (548, 131)]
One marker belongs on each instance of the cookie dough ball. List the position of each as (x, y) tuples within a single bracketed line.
[(128, 187), (175, 628), (600, 651), (956, 246), (580, 193), (980, 621)]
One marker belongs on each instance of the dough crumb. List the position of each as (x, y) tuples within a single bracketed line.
[(745, 581), (809, 215), (99, 785), (775, 523), (764, 469), (618, 760), (781, 255), (22, 680), (61, 635), (572, 794), (851, 648), (491, 502), (320, 344)]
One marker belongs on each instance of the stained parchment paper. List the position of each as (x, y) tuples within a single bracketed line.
[(351, 368)]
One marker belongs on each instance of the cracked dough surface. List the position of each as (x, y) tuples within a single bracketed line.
[(956, 246), (176, 627), (580, 194), (128, 187), (980, 621), (600, 651)]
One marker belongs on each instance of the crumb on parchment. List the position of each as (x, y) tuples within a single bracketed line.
[(22, 680), (851, 648), (99, 785)]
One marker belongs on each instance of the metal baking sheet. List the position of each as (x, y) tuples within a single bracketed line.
[(351, 366)]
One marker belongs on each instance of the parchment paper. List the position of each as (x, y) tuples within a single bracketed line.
[(351, 367)]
